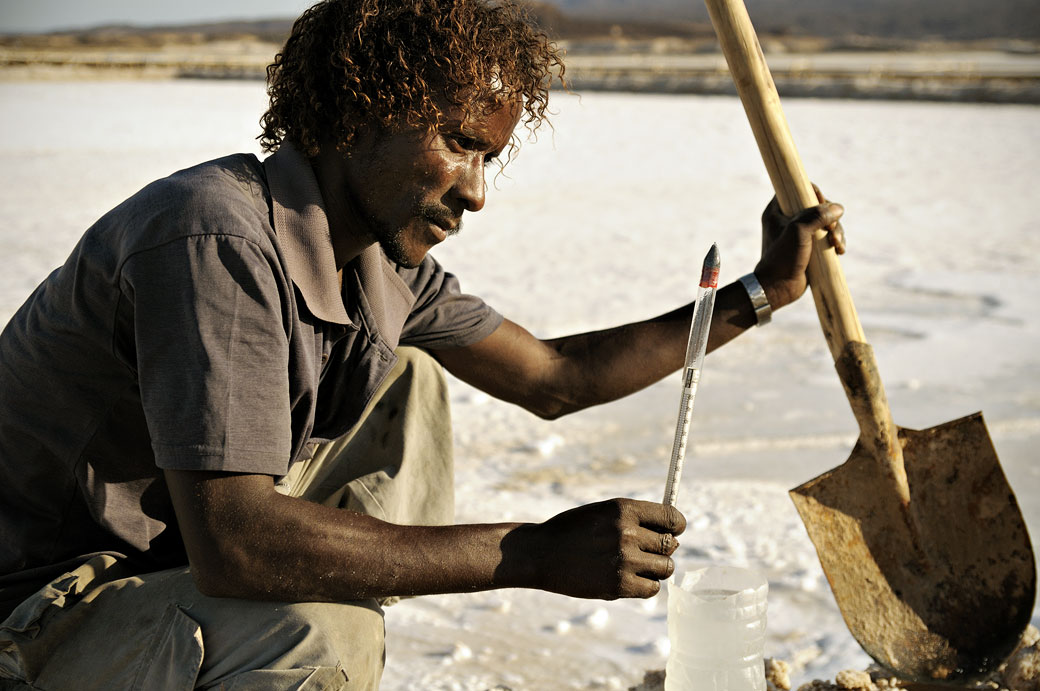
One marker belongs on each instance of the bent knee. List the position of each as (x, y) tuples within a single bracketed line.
[(331, 640), (418, 363), (327, 633)]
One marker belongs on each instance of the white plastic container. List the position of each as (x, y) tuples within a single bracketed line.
[(716, 627)]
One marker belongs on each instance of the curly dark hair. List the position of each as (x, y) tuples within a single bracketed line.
[(398, 64)]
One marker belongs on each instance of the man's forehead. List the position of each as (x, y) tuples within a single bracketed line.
[(488, 118)]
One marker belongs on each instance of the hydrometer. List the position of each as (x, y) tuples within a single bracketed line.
[(695, 349)]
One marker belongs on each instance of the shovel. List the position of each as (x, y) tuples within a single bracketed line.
[(918, 532)]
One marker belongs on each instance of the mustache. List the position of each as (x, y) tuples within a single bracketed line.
[(442, 217)]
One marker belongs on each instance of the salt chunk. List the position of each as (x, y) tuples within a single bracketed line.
[(663, 646), (461, 652), (598, 618), (778, 674), (803, 657), (1031, 636), (853, 680), (545, 447), (1023, 670), (563, 626)]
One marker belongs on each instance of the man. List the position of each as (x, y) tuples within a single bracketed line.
[(233, 371)]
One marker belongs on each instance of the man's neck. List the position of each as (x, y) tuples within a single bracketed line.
[(348, 240)]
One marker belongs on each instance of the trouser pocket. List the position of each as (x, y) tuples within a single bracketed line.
[(173, 658), (95, 628), (22, 652)]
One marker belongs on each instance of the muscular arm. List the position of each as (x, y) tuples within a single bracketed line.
[(561, 375), (558, 376), (245, 540)]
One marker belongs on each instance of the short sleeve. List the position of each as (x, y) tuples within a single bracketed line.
[(443, 316), (212, 354)]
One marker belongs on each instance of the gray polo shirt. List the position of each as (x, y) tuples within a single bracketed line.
[(200, 325)]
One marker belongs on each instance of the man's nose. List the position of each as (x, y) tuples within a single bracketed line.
[(469, 186)]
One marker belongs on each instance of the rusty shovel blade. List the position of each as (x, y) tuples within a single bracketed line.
[(940, 590)]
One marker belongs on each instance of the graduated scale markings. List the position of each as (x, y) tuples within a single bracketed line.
[(695, 349)]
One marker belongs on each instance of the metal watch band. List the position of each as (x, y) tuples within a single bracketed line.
[(763, 310)]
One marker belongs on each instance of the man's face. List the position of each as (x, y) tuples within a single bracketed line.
[(408, 189)]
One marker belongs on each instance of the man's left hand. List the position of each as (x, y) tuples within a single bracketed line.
[(787, 246)]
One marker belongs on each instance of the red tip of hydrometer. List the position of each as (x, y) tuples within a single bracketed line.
[(710, 272)]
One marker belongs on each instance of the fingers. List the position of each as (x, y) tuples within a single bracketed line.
[(827, 217), (837, 236), (644, 573), (657, 543), (822, 217), (654, 566), (819, 217), (659, 518), (837, 233), (636, 585), (654, 542), (668, 544), (646, 578), (658, 524)]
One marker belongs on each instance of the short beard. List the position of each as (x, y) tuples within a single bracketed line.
[(394, 249), (393, 242)]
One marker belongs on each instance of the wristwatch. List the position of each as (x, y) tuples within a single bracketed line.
[(759, 301)]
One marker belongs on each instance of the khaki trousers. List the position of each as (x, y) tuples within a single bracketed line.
[(102, 627)]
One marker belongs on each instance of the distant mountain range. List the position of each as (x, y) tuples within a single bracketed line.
[(953, 20), (917, 19)]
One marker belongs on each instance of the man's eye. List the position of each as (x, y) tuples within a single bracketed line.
[(464, 142)]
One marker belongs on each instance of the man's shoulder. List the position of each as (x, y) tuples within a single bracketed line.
[(225, 196), (232, 184)]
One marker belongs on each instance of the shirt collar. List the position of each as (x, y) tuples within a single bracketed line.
[(302, 228), (388, 298)]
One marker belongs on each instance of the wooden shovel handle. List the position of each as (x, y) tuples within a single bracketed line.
[(841, 326), (793, 189)]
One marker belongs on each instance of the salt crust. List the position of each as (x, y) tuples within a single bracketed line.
[(1020, 673)]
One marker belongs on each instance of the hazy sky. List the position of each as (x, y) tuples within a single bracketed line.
[(47, 15)]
